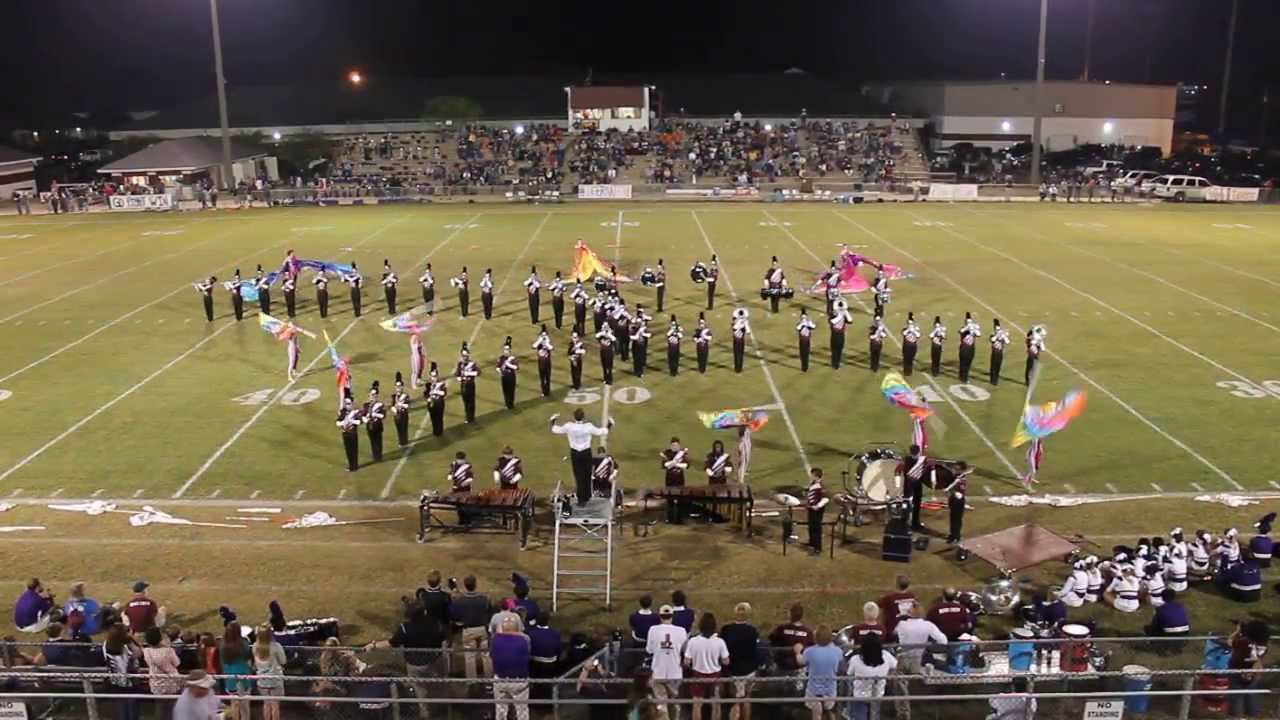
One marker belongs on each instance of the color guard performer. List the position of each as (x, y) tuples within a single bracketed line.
[(674, 335), (919, 436), (508, 473), (875, 339), (717, 465), (969, 333), (999, 339), (205, 288), (508, 366), (375, 412), (804, 331), (543, 347), (533, 287), (740, 330), (321, 281), (263, 285), (557, 299), (400, 411), (937, 337), (1035, 456), (349, 419), (486, 293), (290, 288), (354, 280), (437, 391), (815, 503), (577, 349), (606, 340), (882, 291), (1261, 546), (956, 492), (417, 360), (389, 282), (599, 309), (702, 342), (910, 341), (775, 284), (839, 320), (744, 452), (462, 283), (466, 373), (293, 351), (428, 282), (639, 343), (1035, 346), (237, 300), (675, 460), (660, 282), (580, 297), (713, 275), (832, 282)]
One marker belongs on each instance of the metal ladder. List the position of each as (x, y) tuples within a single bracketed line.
[(583, 549)]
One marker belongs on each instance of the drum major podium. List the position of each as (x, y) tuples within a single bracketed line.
[(583, 554)]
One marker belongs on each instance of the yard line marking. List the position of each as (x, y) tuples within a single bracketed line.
[(298, 495), (57, 492), (111, 403), (1112, 308), (254, 495), (755, 349), (928, 378), (475, 332), (1196, 485), (1111, 487), (215, 493), (1207, 261), (608, 389), (97, 493), (1057, 356), (342, 493), (1157, 488), (1274, 484), (33, 273), (1065, 486), (138, 493)]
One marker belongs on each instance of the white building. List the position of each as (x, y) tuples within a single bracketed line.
[(608, 107), (17, 171)]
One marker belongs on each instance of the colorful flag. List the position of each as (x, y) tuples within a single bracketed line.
[(340, 366), (406, 323), (896, 390), (1041, 421), (725, 419), (587, 264)]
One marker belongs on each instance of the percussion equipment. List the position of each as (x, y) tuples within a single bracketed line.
[(698, 273), (601, 284), (501, 510), (1001, 596), (1077, 648), (311, 631), (648, 278), (875, 481), (730, 501), (785, 292), (1022, 650)]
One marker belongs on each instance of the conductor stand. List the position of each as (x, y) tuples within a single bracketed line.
[(583, 547), (789, 524)]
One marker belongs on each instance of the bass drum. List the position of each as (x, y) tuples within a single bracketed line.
[(878, 481)]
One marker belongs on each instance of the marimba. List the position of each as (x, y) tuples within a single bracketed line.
[(732, 501), (495, 510)]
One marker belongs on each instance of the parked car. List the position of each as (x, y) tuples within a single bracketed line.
[(1103, 167), (1133, 179), (1179, 188)]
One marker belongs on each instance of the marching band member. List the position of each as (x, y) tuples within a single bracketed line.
[(463, 285), (740, 329), (577, 349), (660, 282), (263, 284), (599, 309), (355, 280), (374, 412), (417, 360), (1262, 547), (1123, 592), (237, 300), (461, 474), (881, 289), (205, 288), (744, 452), (912, 469), (775, 280), (1153, 584), (620, 322), (702, 342), (437, 391), (466, 373), (1035, 346), (839, 320), (1200, 556), (1176, 541), (400, 411), (875, 339), (543, 347), (832, 282), (717, 465), (815, 503), (579, 296), (508, 473), (1076, 588), (713, 275), (533, 286), (956, 492), (910, 337), (999, 338), (1095, 579), (389, 281), (604, 473), (428, 282), (580, 435), (1035, 456), (290, 288), (969, 333), (675, 460), (557, 299), (674, 335), (606, 339), (919, 435), (1175, 573), (292, 350), (321, 281), (349, 419), (1228, 550), (507, 368), (486, 293), (639, 343), (804, 329), (936, 338)]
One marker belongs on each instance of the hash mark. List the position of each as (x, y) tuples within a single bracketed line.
[(1112, 488), (298, 495), (1197, 486), (97, 493), (137, 493), (1274, 484), (57, 492), (1068, 487), (342, 493), (254, 495), (215, 493), (1156, 487)]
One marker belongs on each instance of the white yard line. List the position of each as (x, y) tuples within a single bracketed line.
[(108, 405), (1112, 308), (64, 263), (475, 332), (1202, 260), (929, 378), (1131, 410), (755, 349), (608, 389)]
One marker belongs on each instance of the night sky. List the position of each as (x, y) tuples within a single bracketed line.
[(141, 54)]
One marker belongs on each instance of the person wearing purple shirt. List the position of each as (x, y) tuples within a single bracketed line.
[(31, 612), (509, 651), (684, 615)]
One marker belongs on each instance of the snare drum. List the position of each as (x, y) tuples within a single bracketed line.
[(1075, 651)]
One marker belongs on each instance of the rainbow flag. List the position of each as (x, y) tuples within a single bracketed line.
[(1044, 420), (896, 390), (725, 419)]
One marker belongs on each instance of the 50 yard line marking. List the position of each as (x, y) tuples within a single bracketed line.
[(755, 349), (608, 389), (475, 332)]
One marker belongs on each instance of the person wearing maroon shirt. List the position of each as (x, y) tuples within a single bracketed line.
[(786, 636), (143, 612), (870, 624), (950, 615), (1248, 646), (896, 604)]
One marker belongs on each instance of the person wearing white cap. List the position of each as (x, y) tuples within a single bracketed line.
[(1095, 579), (1076, 588), (665, 645), (1228, 550), (197, 701), (1122, 594)]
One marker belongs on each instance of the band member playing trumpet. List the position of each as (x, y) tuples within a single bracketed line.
[(290, 288), (486, 293), (910, 340), (507, 367), (354, 280), (639, 343), (263, 285), (437, 391), (702, 342), (462, 283), (580, 298), (804, 331), (543, 347), (237, 300), (321, 281), (375, 411), (556, 286), (741, 329), (400, 411), (533, 286), (1035, 346), (875, 340), (999, 339), (389, 282), (839, 320), (428, 282), (577, 349), (606, 340), (937, 337), (349, 420), (674, 335), (205, 288), (969, 334), (466, 372)]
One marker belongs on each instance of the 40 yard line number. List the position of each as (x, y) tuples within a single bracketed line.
[(300, 396), (1238, 388)]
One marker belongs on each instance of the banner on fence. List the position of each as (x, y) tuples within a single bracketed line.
[(952, 193), (1220, 193), (604, 192), (136, 203), (12, 710)]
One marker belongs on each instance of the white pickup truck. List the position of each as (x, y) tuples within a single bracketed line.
[(1105, 166)]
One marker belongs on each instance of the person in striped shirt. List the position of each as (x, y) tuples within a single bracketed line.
[(815, 502)]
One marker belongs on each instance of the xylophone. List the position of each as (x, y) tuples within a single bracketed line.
[(732, 501), (494, 510)]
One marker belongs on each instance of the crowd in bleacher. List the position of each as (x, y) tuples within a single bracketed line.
[(867, 153)]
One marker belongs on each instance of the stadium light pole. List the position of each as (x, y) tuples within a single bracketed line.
[(1038, 95), (227, 173), (1226, 70)]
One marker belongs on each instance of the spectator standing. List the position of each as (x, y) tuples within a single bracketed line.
[(507, 613), (471, 611), (870, 625), (1248, 643), (789, 640), (520, 589), (545, 647), (869, 667), (197, 701), (682, 615), (641, 620), (32, 612), (268, 663), (590, 687), (706, 655), (1015, 705), (421, 637), (914, 634), (896, 604), (509, 655), (120, 654), (743, 642), (162, 668), (665, 645), (236, 657), (142, 613), (823, 660), (56, 650), (435, 599)]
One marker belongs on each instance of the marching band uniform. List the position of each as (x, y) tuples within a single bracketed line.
[(1035, 346), (507, 368), (599, 307), (557, 299), (1095, 579), (832, 282), (354, 279), (1153, 584), (936, 338), (374, 411), (605, 339), (713, 274), (1228, 550), (417, 360), (660, 282), (461, 477), (1200, 557), (1175, 573), (205, 288), (1035, 456), (774, 282), (804, 329), (1261, 546), (717, 465), (237, 300), (1076, 588), (910, 338), (543, 347), (740, 329), (532, 286), (321, 281), (290, 288), (263, 284), (577, 349), (389, 281), (999, 339), (956, 492), (508, 472), (400, 411), (875, 338), (466, 373), (463, 283), (675, 460), (674, 335), (882, 292), (604, 472), (620, 321), (486, 293), (702, 342), (969, 333), (428, 282), (349, 419), (580, 297), (639, 344), (436, 392), (838, 321), (912, 469), (815, 502)]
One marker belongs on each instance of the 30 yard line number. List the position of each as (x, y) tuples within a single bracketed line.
[(629, 395), (1238, 388), (299, 396)]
